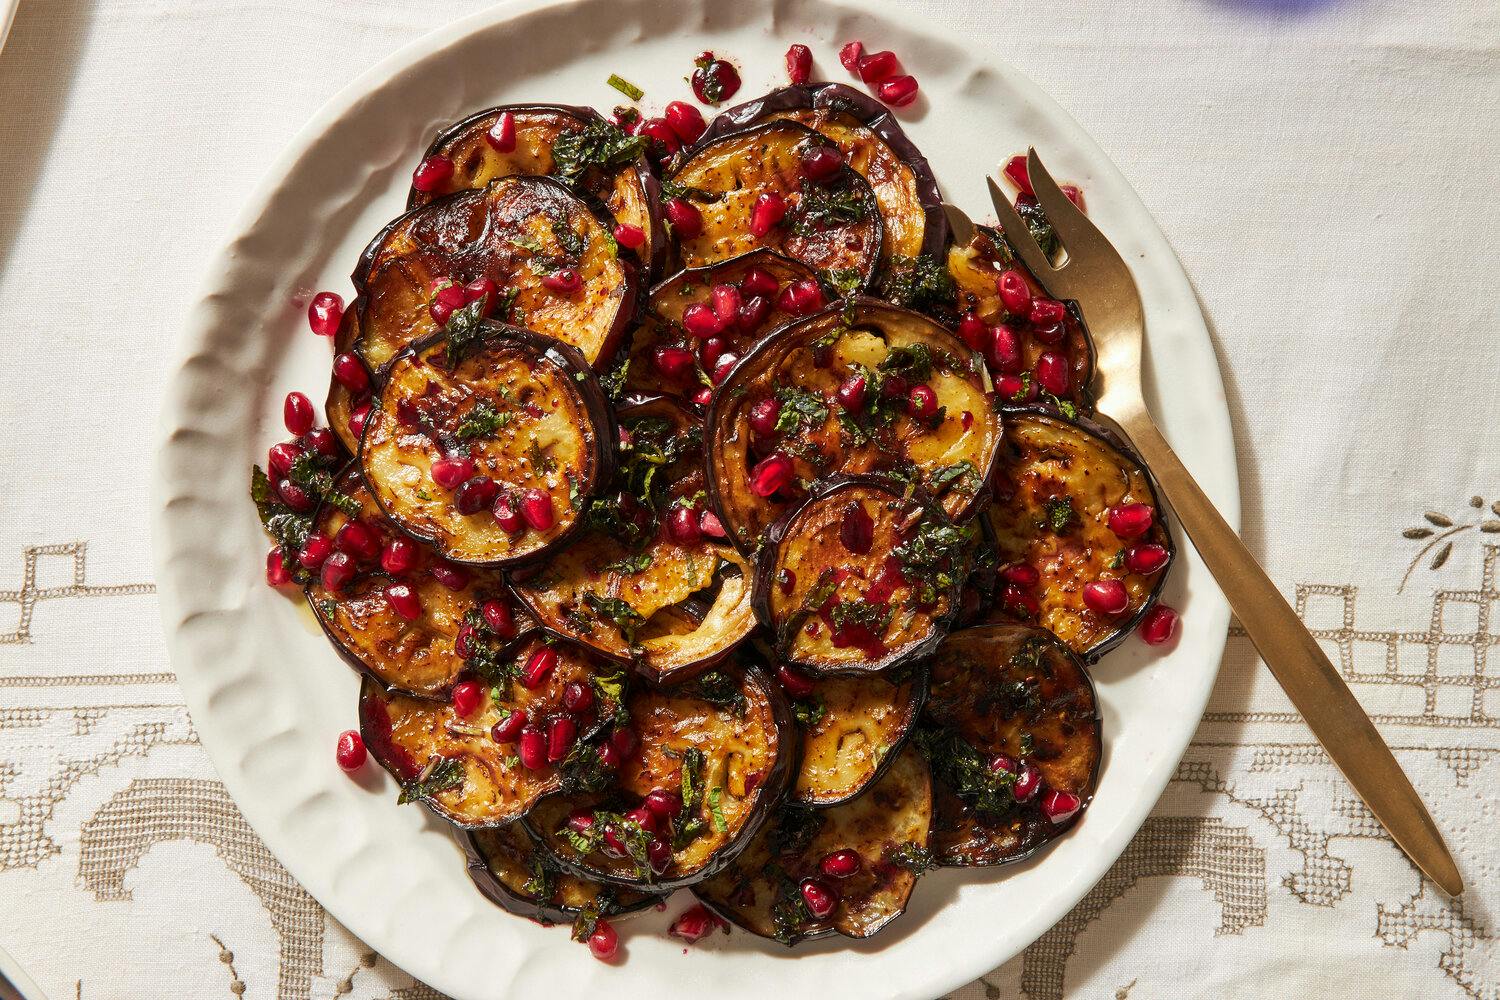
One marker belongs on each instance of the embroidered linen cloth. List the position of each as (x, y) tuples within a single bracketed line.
[(1326, 171)]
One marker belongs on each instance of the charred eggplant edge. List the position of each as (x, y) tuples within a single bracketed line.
[(493, 889)]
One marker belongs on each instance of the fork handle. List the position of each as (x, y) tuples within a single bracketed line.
[(1299, 665)]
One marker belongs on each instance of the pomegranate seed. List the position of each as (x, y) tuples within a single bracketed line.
[(1015, 294), (608, 755), (1020, 603), (463, 642), (351, 373), (686, 220), (1050, 335), (701, 321), (663, 802), (710, 351), (277, 575), (768, 210), (673, 362), (466, 698), (710, 525), (628, 236), (759, 281), (643, 818), (763, 415), (281, 457), (450, 576), (404, 601), (714, 80), (1060, 806), (1073, 194), (857, 529), (1014, 389), (322, 441), (821, 163), (696, 922), (578, 697), (658, 855), (841, 864), (506, 515), (797, 684), (482, 288), (1045, 312), (786, 581), (338, 570), (564, 281), (723, 366), (539, 667), (682, 525), (508, 730), (1022, 575), (451, 473), (446, 298), (1003, 763), (1131, 520), (1052, 373), (531, 747), (476, 495), (663, 137), (1028, 782), (686, 120), (297, 413), (974, 331), (604, 943), (315, 549), (536, 508), (614, 844), (502, 134), (798, 64), (350, 752), (801, 297), (1005, 348), (966, 418), (497, 616), (358, 540), (398, 556), (1146, 558), (878, 66), (850, 55), (895, 387), (357, 418), (432, 173), (1158, 625), (325, 312), (1106, 597), (726, 301), (922, 402), (1015, 169), (820, 897), (851, 394), (295, 496), (899, 92), (702, 397), (771, 474), (561, 732), (625, 741), (753, 314)]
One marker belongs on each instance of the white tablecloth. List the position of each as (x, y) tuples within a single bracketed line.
[(1327, 172)]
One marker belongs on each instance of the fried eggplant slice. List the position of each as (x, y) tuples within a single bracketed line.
[(873, 144), (1056, 488), (830, 224), (652, 372), (516, 232), (1014, 743), (852, 729), (720, 749), (624, 587), (508, 868), (976, 269), (456, 765), (571, 143), (841, 382), (860, 578), (418, 656), (486, 445), (887, 827)]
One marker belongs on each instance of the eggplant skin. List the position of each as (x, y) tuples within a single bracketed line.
[(1019, 691), (975, 268), (855, 729), (411, 657), (630, 193), (1076, 472), (505, 865), (803, 364), (873, 144), (724, 177), (516, 232), (750, 758), (553, 439), (889, 827), (340, 404), (662, 324), (807, 580)]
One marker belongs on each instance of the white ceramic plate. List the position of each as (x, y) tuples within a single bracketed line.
[(269, 695)]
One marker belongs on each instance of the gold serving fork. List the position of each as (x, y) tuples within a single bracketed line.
[(1095, 278)]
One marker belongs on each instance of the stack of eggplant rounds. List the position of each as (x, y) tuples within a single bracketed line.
[(711, 554)]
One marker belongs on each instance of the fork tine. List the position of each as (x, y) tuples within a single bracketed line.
[(1017, 235), (1073, 227)]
